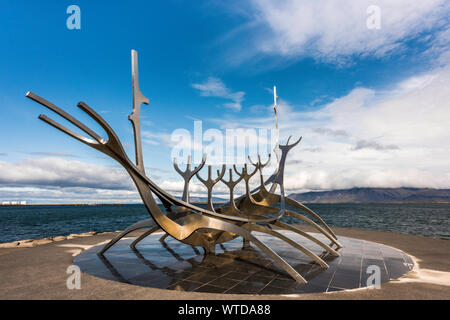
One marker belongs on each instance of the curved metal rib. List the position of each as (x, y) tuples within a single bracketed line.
[(214, 223), (258, 228), (307, 236), (142, 236), (316, 226), (278, 178), (188, 174), (232, 209), (304, 208), (210, 183), (64, 115), (148, 223), (246, 177), (269, 197)]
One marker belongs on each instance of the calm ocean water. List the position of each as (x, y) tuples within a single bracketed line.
[(34, 222)]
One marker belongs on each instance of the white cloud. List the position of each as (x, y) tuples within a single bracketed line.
[(364, 144), (371, 138), (439, 45), (56, 180), (52, 194), (53, 154), (336, 31), (214, 87), (157, 138), (57, 172), (331, 132)]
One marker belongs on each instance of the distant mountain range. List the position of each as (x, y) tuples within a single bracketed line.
[(194, 199), (374, 195)]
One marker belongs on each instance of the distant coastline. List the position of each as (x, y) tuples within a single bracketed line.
[(218, 203), (61, 204), (353, 195), (87, 204), (376, 195)]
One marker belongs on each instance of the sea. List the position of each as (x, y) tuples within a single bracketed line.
[(36, 222)]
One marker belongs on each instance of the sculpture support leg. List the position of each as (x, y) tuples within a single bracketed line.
[(308, 236), (245, 243), (139, 225), (163, 237), (226, 226), (142, 236), (211, 249), (255, 227), (315, 225), (302, 207)]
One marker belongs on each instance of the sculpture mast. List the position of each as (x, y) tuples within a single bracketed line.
[(135, 116), (277, 146)]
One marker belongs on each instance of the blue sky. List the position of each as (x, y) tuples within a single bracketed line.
[(371, 104)]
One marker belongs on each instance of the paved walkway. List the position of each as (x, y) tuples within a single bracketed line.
[(40, 273)]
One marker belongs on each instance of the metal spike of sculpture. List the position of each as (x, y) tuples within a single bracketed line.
[(193, 225), (210, 183), (188, 174)]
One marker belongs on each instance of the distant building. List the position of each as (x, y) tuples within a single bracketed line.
[(14, 203)]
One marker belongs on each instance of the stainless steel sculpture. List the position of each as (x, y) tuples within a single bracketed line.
[(257, 210)]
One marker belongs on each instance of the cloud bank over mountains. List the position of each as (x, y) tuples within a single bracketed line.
[(370, 138)]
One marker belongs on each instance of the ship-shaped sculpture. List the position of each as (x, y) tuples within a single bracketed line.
[(258, 210)]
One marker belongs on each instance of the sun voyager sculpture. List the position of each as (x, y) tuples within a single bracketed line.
[(258, 210)]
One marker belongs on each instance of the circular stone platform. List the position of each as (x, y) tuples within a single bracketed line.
[(172, 265)]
